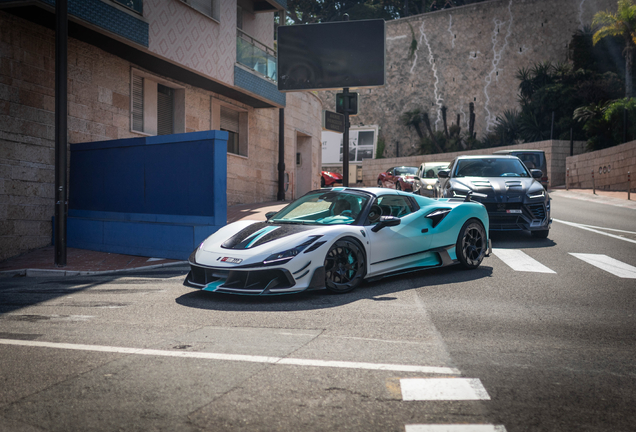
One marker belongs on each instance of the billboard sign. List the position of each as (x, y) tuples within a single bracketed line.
[(347, 54), (362, 143)]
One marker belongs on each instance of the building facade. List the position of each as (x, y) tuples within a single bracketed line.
[(141, 68)]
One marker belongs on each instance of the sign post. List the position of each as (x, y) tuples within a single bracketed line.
[(345, 140)]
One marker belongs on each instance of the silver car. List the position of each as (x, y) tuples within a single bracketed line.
[(427, 177)]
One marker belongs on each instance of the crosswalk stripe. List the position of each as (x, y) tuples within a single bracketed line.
[(608, 264), (519, 261), (429, 389), (455, 428)]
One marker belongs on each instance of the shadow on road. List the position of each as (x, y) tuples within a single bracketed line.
[(519, 240), (18, 293), (377, 291)]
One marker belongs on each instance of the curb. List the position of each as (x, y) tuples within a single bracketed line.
[(62, 273)]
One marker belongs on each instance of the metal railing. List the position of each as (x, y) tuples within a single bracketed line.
[(255, 55)]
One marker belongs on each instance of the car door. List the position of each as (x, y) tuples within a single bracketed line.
[(397, 247)]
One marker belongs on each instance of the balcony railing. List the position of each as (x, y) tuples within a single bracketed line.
[(255, 55), (136, 5)]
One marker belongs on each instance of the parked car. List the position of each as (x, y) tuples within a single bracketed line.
[(335, 239), (533, 159), (330, 179), (427, 174), (512, 194), (400, 178)]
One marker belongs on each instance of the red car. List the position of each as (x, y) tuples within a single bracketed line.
[(400, 178), (330, 179)]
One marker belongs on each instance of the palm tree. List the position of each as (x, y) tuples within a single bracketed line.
[(622, 23), (414, 119)]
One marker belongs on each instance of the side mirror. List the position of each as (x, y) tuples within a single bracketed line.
[(417, 178), (386, 221), (536, 173), (269, 215), (443, 173)]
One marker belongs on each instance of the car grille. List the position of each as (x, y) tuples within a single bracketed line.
[(537, 210), (500, 220), (241, 281), (497, 207)]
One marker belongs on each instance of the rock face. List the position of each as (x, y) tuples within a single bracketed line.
[(466, 54)]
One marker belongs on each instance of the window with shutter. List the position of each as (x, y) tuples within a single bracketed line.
[(138, 103), (165, 107), (206, 7)]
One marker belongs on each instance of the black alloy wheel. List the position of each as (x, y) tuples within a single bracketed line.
[(345, 266), (471, 244), (379, 183)]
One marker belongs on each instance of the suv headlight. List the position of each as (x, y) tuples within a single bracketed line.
[(536, 194)]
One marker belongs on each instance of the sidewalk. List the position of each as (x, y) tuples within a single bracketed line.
[(40, 262), (615, 198)]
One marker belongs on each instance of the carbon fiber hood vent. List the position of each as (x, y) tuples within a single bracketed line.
[(261, 233)]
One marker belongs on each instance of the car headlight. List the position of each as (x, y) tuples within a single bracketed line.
[(429, 187), (289, 254), (536, 194)]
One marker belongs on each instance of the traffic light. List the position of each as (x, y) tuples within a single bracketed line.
[(353, 103)]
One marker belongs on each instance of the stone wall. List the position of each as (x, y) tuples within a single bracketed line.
[(99, 110), (610, 167), (555, 154), (466, 54)]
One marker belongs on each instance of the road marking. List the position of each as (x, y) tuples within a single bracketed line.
[(608, 264), (456, 428), (591, 229), (519, 261), (236, 357), (428, 389)]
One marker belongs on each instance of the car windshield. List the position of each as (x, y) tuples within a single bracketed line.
[(323, 208), (531, 160), (491, 167), (430, 171), (405, 171)]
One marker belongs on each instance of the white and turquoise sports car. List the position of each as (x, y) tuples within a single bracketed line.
[(336, 239)]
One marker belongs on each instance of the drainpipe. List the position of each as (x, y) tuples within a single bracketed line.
[(61, 139), (280, 196), (281, 155)]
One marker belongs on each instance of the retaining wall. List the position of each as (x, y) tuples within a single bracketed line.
[(610, 167)]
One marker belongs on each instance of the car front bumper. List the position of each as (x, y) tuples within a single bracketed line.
[(253, 281), (518, 216)]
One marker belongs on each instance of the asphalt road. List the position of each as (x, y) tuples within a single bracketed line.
[(539, 338)]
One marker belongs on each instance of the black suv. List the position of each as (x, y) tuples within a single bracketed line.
[(513, 197)]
